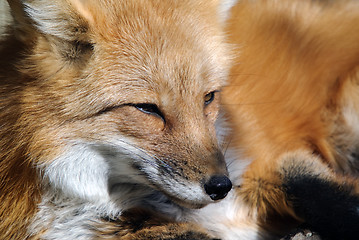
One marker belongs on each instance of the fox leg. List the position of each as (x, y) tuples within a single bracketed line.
[(299, 188), (263, 192)]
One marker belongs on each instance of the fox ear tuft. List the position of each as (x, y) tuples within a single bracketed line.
[(224, 8), (67, 20)]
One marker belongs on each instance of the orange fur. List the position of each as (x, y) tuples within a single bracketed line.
[(73, 77), (295, 74)]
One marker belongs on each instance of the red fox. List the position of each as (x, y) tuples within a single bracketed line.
[(112, 125)]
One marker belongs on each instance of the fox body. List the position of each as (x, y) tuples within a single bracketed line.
[(112, 125), (293, 103)]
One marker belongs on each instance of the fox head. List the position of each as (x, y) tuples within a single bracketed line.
[(117, 93)]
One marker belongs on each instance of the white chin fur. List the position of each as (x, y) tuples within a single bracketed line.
[(229, 219), (189, 195), (81, 173), (98, 172)]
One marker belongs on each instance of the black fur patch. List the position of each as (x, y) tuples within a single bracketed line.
[(327, 207)]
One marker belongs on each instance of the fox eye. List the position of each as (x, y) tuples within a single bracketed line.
[(149, 108), (209, 97)]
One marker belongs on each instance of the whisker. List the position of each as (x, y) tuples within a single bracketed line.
[(227, 147)]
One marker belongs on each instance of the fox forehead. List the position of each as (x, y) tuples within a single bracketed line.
[(158, 51), (142, 51), (155, 81)]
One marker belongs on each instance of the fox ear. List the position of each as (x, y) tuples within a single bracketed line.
[(224, 9), (65, 23), (64, 19), (82, 7)]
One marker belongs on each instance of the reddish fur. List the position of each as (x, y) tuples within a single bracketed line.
[(296, 72), (53, 87), (297, 61), (19, 183)]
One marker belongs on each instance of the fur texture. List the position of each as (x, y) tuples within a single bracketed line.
[(293, 90), (111, 123), (93, 122)]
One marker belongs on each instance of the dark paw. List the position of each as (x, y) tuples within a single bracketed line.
[(328, 208)]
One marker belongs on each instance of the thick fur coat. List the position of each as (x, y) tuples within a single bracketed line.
[(179, 119)]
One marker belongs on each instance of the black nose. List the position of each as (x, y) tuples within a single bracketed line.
[(217, 187)]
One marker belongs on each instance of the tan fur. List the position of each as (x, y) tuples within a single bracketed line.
[(295, 74)]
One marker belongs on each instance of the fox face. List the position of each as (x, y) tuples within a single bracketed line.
[(123, 94)]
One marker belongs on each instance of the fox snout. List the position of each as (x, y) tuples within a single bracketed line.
[(194, 180), (218, 184)]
